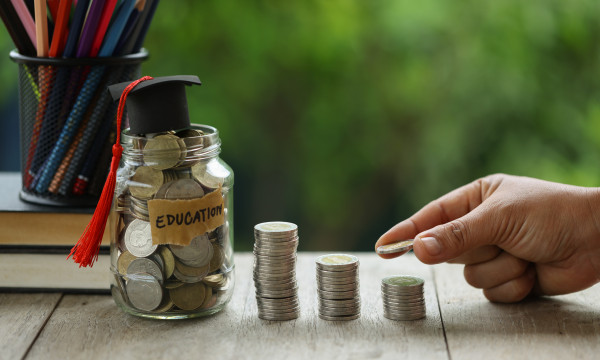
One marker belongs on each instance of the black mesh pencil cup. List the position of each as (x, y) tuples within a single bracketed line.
[(67, 123)]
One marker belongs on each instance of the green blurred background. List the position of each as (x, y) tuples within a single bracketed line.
[(347, 116)]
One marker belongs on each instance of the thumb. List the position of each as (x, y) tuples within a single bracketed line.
[(450, 240)]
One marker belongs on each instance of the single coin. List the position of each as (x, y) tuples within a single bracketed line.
[(339, 318), (217, 259), (192, 139), (339, 303), (337, 262), (169, 261), (214, 281), (145, 182), (338, 287), (208, 293), (211, 303), (166, 305), (138, 239), (188, 296), (397, 247), (163, 151), (212, 175), (144, 292), (276, 227), (189, 273), (145, 266), (123, 262), (172, 284), (402, 281), (184, 189), (200, 250)]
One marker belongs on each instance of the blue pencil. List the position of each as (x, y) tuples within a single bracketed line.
[(75, 28)]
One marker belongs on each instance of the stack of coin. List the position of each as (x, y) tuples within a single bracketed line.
[(275, 270), (338, 287), (403, 297)]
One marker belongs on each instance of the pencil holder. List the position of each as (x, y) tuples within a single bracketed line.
[(67, 122)]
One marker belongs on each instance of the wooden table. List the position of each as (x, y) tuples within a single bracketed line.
[(460, 324)]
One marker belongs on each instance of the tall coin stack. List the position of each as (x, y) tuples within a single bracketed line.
[(275, 270), (337, 285), (403, 297)]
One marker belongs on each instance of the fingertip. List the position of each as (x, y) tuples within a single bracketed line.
[(427, 250)]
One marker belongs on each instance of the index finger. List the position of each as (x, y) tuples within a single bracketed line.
[(451, 206)]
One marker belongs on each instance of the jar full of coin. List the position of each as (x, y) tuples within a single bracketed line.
[(171, 218)]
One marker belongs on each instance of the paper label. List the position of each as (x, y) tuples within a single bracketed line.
[(179, 221)]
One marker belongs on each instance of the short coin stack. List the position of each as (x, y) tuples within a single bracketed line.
[(403, 297), (337, 285), (275, 270)]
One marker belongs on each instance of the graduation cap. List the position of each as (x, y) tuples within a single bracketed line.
[(154, 105), (157, 105)]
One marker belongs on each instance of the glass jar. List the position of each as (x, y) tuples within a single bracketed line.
[(171, 225)]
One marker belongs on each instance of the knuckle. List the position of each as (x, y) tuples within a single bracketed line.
[(471, 277), (457, 233)]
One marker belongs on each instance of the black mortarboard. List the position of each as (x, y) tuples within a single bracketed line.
[(157, 105)]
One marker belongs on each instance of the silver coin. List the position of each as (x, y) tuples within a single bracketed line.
[(397, 297), (211, 175), (354, 288), (337, 262), (145, 266), (287, 286), (279, 312), (200, 250), (338, 294), (284, 258), (392, 303), (342, 281), (327, 312), (339, 318), (270, 317), (163, 151), (276, 227), (184, 189), (337, 274), (282, 302), (144, 293), (276, 293), (404, 281), (336, 303), (403, 318), (138, 239), (397, 247)]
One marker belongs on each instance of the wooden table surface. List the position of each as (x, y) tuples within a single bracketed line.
[(460, 324)]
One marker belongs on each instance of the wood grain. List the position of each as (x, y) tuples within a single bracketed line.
[(21, 318), (560, 327), (92, 326)]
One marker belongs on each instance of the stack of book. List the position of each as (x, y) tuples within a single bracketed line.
[(35, 241)]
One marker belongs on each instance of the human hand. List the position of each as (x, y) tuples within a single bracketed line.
[(514, 234)]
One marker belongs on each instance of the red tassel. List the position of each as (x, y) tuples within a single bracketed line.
[(85, 252)]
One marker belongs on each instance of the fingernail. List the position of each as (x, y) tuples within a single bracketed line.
[(432, 246)]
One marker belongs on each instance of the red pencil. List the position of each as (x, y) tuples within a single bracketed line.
[(61, 30), (107, 12)]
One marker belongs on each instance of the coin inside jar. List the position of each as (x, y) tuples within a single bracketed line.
[(212, 174), (197, 253), (145, 182), (138, 238), (145, 266), (184, 189), (188, 296), (163, 151), (144, 292)]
